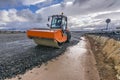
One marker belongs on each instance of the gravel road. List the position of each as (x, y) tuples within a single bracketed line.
[(19, 54), (77, 63)]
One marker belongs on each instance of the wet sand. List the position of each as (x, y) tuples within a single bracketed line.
[(77, 63)]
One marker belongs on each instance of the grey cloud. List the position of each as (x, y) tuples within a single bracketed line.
[(104, 5), (85, 7), (20, 20), (9, 3), (25, 15), (46, 2), (113, 15), (22, 25), (96, 6), (80, 2), (29, 15), (14, 3), (111, 3), (63, 5)]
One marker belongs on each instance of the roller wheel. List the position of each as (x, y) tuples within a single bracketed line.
[(68, 36)]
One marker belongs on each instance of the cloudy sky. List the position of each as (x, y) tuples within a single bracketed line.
[(89, 14)]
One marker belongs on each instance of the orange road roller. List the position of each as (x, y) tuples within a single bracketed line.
[(55, 36)]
